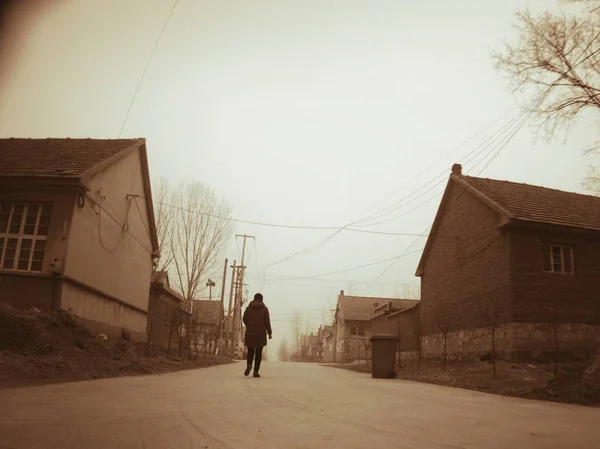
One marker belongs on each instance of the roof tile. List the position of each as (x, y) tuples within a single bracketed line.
[(540, 204), (61, 158)]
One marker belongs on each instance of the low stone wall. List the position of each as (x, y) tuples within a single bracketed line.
[(517, 342)]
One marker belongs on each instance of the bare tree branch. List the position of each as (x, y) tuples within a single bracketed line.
[(194, 232), (558, 58)]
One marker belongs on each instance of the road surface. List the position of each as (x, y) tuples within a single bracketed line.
[(291, 406)]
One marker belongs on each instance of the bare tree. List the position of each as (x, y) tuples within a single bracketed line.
[(592, 181), (164, 214), (552, 336), (443, 321), (408, 291), (200, 228), (296, 324), (491, 312), (558, 57), (399, 333), (173, 321), (283, 352)]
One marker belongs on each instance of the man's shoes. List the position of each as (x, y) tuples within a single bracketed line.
[(247, 371), (256, 374)]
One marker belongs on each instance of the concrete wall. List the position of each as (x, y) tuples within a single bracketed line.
[(23, 289), (468, 267), (26, 291), (101, 314), (99, 253), (539, 296)]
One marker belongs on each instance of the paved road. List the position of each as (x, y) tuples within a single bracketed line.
[(292, 406)]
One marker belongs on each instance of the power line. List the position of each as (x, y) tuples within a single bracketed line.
[(495, 154), (285, 226), (473, 155), (146, 67), (358, 220), (339, 271)]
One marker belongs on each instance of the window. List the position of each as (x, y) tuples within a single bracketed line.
[(357, 331), (23, 233), (557, 258)]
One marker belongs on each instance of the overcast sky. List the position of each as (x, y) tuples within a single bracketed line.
[(298, 112)]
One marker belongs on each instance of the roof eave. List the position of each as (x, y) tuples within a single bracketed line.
[(535, 224), (71, 183)]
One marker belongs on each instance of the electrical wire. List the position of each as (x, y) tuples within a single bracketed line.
[(146, 67), (494, 153), (276, 225), (358, 221)]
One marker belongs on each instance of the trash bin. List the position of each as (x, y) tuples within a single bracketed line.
[(383, 347)]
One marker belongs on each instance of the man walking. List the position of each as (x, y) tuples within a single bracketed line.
[(258, 325)]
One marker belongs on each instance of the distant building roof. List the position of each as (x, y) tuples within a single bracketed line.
[(360, 308)]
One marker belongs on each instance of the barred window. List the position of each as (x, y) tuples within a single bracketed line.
[(557, 258), (23, 233)]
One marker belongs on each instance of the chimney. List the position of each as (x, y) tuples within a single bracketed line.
[(457, 169), (341, 292)]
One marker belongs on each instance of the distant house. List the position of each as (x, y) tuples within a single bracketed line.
[(352, 325), (77, 229), (381, 324), (165, 313), (207, 316), (310, 348), (517, 259)]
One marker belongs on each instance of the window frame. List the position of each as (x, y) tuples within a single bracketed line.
[(358, 334), (548, 250), (44, 211)]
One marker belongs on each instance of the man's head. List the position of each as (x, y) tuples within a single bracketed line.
[(258, 297)]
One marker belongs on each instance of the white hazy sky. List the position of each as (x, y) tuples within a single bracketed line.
[(298, 112)]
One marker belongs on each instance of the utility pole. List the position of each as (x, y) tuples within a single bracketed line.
[(221, 306), (229, 324), (239, 291), (210, 284)]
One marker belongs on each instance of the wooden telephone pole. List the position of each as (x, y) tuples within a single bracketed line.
[(221, 309), (239, 286)]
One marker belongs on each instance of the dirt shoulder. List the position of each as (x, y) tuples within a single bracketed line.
[(524, 380), (40, 348)]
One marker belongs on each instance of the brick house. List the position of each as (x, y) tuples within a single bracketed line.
[(352, 325), (165, 313), (517, 259), (77, 229)]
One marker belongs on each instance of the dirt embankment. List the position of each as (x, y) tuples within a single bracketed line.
[(39, 347), (575, 383)]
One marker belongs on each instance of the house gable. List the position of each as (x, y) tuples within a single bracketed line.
[(447, 201)]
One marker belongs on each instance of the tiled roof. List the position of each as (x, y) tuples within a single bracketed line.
[(360, 308), (540, 204), (58, 158), (207, 312)]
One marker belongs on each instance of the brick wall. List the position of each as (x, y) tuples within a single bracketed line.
[(467, 271), (158, 312), (551, 297), (408, 322)]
